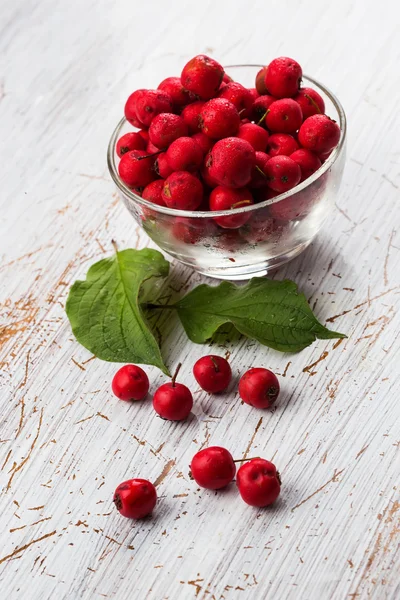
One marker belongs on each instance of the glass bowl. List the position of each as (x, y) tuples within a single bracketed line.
[(276, 231)]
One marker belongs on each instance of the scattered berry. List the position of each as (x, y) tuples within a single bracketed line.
[(281, 144), (153, 192), (283, 77), (130, 141), (283, 173), (212, 373), (260, 81), (307, 161), (219, 118), (259, 178), (258, 482), (259, 387), (135, 498), (284, 116), (173, 87), (240, 97), (173, 401), (255, 135), (311, 103), (136, 168), (161, 166), (130, 382), (231, 162), (319, 134), (185, 154), (224, 198), (151, 103), (166, 128), (191, 116), (183, 191), (202, 76), (213, 468)]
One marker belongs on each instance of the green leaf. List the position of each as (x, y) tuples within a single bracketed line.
[(105, 313), (272, 312)]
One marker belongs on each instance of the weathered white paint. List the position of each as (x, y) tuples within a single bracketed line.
[(66, 69)]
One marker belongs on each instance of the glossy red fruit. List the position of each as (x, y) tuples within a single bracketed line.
[(188, 230), (202, 76), (283, 173), (281, 144), (231, 162), (165, 128), (224, 198), (219, 118), (182, 191), (161, 165), (254, 95), (240, 97), (319, 134), (151, 148), (295, 207), (151, 103), (185, 154), (260, 81), (130, 108), (173, 87), (130, 141), (260, 108), (135, 498), (311, 103), (307, 161), (144, 134), (283, 77), (259, 387), (130, 382), (212, 373), (213, 468), (255, 135), (191, 116), (259, 178), (173, 401), (136, 168), (259, 482), (284, 116), (153, 192), (203, 141)]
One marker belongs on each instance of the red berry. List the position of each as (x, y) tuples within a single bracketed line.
[(191, 116), (166, 128), (226, 78), (258, 178), (311, 103), (240, 97), (307, 161), (283, 173), (151, 148), (294, 207), (144, 134), (151, 103), (284, 116), (203, 141), (202, 76), (130, 141), (231, 162), (260, 81), (135, 498), (224, 198), (130, 107), (260, 108), (258, 482), (175, 90), (262, 228), (205, 174), (283, 77), (254, 95), (188, 231), (255, 135), (185, 154), (130, 382), (135, 170), (213, 468), (212, 373), (219, 118), (173, 401), (281, 144), (153, 192), (162, 166), (183, 191), (259, 387), (319, 134)]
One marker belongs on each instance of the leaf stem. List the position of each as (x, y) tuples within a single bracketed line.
[(115, 246), (175, 375), (166, 306)]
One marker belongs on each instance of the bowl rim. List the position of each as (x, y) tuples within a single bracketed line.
[(131, 196)]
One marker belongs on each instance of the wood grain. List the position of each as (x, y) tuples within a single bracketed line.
[(65, 443)]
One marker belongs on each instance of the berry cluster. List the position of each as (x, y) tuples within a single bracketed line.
[(211, 468), (207, 142)]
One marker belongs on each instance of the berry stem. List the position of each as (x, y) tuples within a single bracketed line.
[(151, 155), (313, 103), (175, 375), (261, 171), (244, 459), (263, 117), (214, 362)]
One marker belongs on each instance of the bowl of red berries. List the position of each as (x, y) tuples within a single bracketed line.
[(232, 171)]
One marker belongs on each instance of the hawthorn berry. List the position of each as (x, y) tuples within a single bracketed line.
[(183, 191), (255, 135), (283, 77), (130, 382), (259, 387), (224, 198), (136, 168), (240, 97), (191, 116), (260, 108), (219, 118), (173, 401), (311, 103), (319, 134), (135, 498), (203, 141), (151, 103), (307, 161), (185, 154), (213, 468), (283, 173), (281, 144), (231, 162), (202, 76), (212, 373), (260, 81), (161, 166), (130, 141), (153, 192), (258, 482), (130, 108), (284, 116), (173, 87), (259, 178), (165, 128)]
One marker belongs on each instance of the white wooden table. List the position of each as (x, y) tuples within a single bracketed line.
[(66, 442)]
